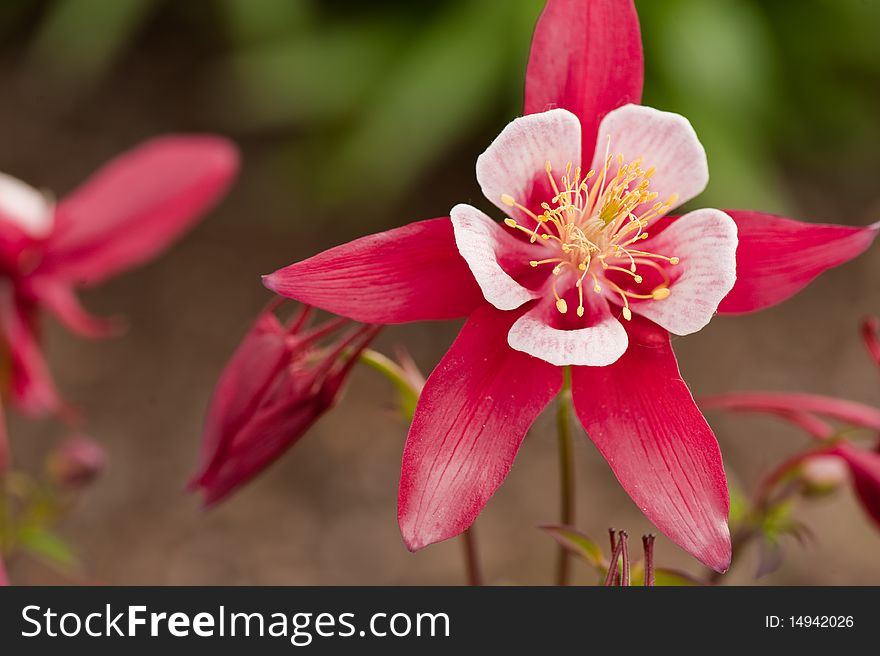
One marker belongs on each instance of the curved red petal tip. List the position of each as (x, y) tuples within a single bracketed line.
[(413, 541), (766, 271), (412, 273), (658, 444), (719, 555), (270, 282)]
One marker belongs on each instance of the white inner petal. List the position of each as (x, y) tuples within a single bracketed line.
[(25, 206)]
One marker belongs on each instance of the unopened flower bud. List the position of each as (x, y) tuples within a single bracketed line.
[(76, 463), (281, 379), (823, 474)]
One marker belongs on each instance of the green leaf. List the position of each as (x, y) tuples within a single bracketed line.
[(578, 544), (48, 547), (663, 577), (739, 507), (674, 578), (777, 520)]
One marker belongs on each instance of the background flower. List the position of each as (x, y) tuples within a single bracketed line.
[(125, 214)]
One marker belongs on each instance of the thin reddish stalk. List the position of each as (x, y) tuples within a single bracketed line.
[(471, 558), (624, 556), (648, 546), (612, 538), (613, 572)]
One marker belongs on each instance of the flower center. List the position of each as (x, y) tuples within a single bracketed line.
[(597, 221)]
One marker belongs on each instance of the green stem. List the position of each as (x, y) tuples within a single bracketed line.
[(566, 472), (406, 389), (387, 367)]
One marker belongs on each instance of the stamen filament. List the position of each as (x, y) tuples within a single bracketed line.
[(598, 217)]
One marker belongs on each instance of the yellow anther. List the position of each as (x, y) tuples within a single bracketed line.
[(603, 220)]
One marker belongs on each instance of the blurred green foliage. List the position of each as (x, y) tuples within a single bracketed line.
[(365, 99)]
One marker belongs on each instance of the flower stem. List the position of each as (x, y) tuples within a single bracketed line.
[(613, 576), (566, 472), (408, 389), (648, 546), (471, 557)]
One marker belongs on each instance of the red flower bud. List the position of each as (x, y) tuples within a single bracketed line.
[(277, 384)]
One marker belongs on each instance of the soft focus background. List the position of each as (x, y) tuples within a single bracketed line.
[(355, 117)]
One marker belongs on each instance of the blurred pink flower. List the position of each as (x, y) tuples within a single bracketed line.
[(278, 383), (124, 215), (565, 281), (76, 462), (810, 412)]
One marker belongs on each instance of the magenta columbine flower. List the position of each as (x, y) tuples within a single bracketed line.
[(587, 270), (124, 215)]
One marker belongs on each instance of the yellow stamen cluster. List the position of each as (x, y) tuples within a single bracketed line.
[(597, 221)]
